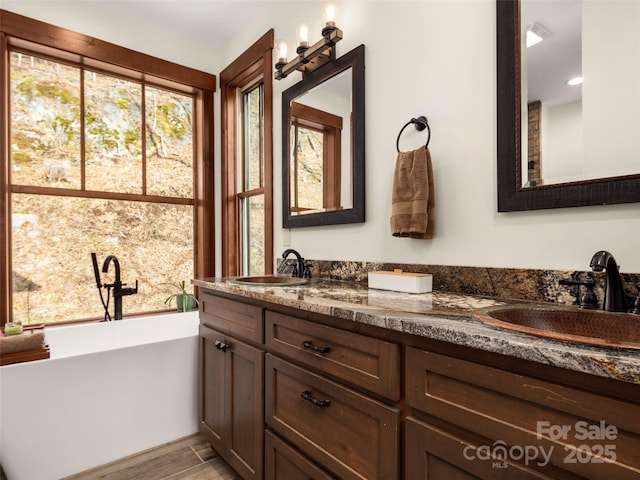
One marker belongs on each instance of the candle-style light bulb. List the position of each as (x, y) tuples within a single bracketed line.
[(329, 12), (281, 50), (281, 53), (303, 37), (330, 15)]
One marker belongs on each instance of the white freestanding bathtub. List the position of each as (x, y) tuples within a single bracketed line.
[(109, 390)]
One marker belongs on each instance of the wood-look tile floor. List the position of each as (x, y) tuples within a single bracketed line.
[(190, 458)]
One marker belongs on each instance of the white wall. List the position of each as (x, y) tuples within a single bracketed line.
[(434, 58), (562, 143), (610, 93)]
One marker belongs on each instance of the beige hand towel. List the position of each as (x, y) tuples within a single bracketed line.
[(21, 343), (413, 200)]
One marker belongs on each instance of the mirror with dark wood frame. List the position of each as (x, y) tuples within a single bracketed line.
[(513, 193), (323, 138)]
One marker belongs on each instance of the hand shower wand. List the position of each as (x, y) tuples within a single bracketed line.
[(96, 272)]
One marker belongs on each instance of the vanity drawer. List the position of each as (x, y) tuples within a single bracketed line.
[(366, 362), (434, 454), (234, 318), (283, 462), (353, 436), (588, 434)]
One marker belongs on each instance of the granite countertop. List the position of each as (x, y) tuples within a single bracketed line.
[(441, 316)]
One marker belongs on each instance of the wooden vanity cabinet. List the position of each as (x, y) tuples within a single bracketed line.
[(232, 386), (290, 395)]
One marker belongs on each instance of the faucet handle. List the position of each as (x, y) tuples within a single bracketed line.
[(307, 269), (588, 298), (129, 291)]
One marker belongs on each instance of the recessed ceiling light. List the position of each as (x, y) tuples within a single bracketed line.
[(575, 81)]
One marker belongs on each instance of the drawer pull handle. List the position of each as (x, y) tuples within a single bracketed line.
[(310, 398), (309, 344)]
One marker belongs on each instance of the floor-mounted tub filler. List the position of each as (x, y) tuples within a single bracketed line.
[(109, 390)]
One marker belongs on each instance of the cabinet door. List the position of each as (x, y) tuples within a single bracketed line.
[(245, 409), (282, 462), (212, 378), (232, 402)]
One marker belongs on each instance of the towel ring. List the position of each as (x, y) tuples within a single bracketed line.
[(421, 123)]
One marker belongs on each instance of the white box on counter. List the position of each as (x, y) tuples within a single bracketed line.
[(401, 281)]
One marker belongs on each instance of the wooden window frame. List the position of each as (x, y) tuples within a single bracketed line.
[(254, 63), (331, 127), (19, 32)]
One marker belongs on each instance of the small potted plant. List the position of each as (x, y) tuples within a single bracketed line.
[(184, 301)]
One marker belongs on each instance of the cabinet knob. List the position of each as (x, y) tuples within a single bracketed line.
[(221, 345)]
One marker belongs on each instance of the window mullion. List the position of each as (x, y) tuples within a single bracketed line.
[(143, 140), (261, 140), (83, 156)]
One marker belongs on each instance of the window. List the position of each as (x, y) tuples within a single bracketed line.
[(247, 162), (100, 159), (316, 159)]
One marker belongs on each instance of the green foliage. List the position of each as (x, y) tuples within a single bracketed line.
[(184, 295), (65, 126), (21, 157), (132, 140), (57, 92), (123, 103), (31, 87), (26, 87), (107, 138)]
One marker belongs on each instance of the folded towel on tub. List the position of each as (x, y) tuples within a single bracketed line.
[(22, 342), (413, 199)]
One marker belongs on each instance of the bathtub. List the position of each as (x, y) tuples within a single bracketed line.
[(109, 390)]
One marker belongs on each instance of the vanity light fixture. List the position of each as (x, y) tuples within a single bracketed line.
[(309, 57)]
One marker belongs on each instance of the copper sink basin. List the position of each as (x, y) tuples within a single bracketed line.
[(274, 281), (592, 327)]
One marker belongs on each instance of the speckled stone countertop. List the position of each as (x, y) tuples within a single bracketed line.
[(438, 315)]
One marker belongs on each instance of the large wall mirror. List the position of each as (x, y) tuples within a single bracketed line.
[(564, 145), (323, 145)]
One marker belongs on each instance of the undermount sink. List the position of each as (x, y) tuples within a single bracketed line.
[(274, 281), (592, 327)]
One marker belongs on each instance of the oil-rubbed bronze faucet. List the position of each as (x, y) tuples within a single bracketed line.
[(301, 270), (614, 298), (117, 285)]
